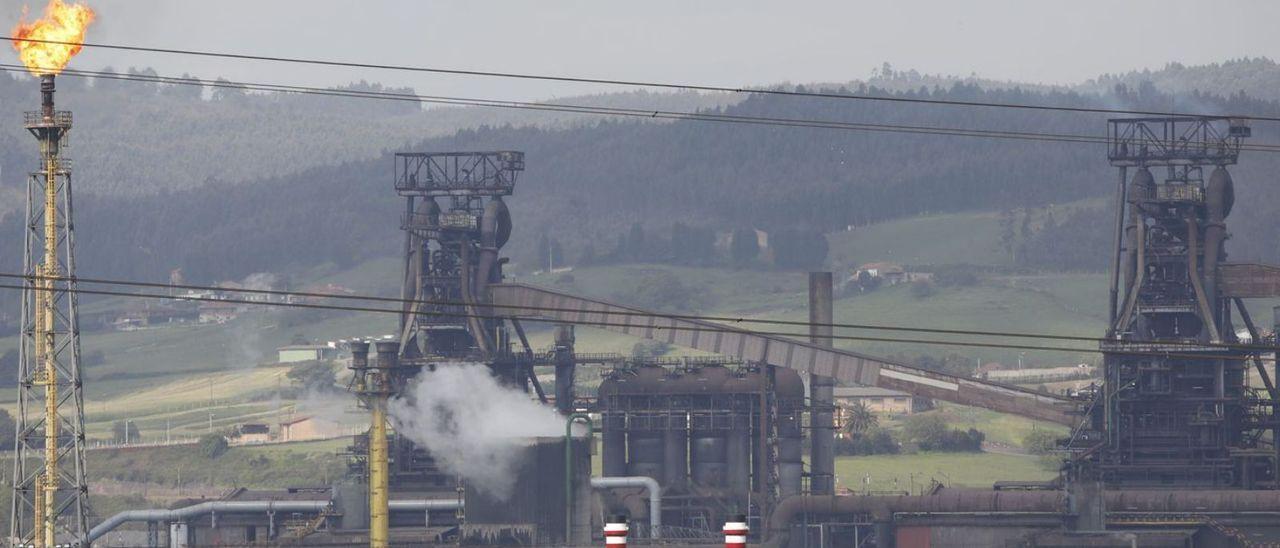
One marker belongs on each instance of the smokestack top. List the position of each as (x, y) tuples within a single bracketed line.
[(46, 96), (359, 354), (388, 353)]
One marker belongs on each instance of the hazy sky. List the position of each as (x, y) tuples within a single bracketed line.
[(718, 42)]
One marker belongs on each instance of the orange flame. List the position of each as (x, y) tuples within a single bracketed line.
[(62, 28)]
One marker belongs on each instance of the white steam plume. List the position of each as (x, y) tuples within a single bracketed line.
[(472, 425)]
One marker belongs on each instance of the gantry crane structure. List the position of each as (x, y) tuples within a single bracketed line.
[(1175, 407)]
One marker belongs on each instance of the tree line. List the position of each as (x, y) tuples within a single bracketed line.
[(588, 186)]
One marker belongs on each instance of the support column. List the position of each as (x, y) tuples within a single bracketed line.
[(1275, 403), (564, 368), (822, 456)]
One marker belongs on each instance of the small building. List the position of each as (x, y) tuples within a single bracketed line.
[(306, 427), (148, 316), (306, 353), (252, 433), (218, 312), (889, 274), (986, 368), (880, 400), (318, 290)]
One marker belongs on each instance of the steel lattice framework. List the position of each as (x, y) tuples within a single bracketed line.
[(50, 494), (1192, 422)]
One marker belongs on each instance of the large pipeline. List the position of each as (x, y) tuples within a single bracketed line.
[(650, 485), (495, 228), (972, 501), (1219, 197), (249, 507), (1141, 188)]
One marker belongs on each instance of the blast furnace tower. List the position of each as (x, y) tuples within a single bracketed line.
[(1176, 408), (49, 491), (451, 255)]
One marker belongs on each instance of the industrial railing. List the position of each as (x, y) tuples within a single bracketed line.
[(35, 118)]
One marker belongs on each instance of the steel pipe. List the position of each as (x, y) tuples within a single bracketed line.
[(249, 507), (650, 485), (984, 502)]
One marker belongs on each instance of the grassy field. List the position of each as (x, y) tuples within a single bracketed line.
[(911, 472), (1001, 429), (958, 238), (176, 377), (283, 465), (994, 305)]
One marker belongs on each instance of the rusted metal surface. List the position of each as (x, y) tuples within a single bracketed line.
[(973, 501), (1249, 280), (528, 301)]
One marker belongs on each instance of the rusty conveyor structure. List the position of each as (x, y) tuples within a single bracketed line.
[(532, 302)]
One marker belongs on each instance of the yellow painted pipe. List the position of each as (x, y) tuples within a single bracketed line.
[(379, 513), (47, 483)]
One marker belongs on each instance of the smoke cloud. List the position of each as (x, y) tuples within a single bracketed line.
[(472, 425)]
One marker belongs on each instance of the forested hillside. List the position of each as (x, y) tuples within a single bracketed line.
[(134, 138), (590, 182), (1258, 77)]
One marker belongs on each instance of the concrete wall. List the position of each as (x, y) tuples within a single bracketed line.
[(894, 405)]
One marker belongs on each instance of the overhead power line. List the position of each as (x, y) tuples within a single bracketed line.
[(614, 111), (580, 109), (728, 320), (606, 324), (634, 83)]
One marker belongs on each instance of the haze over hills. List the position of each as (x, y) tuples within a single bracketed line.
[(1256, 76), (322, 190), (133, 138)]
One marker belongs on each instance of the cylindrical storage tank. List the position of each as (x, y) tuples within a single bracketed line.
[(709, 426), (789, 388), (645, 453), (359, 355), (743, 393), (533, 512), (675, 433), (675, 451), (613, 430), (709, 458), (352, 500), (613, 457), (738, 456), (388, 353), (640, 391)]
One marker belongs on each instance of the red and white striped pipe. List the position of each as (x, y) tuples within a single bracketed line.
[(735, 532), (615, 532)]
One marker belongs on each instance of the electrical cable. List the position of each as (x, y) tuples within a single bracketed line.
[(635, 83), (604, 324), (728, 320), (578, 109), (618, 111)]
